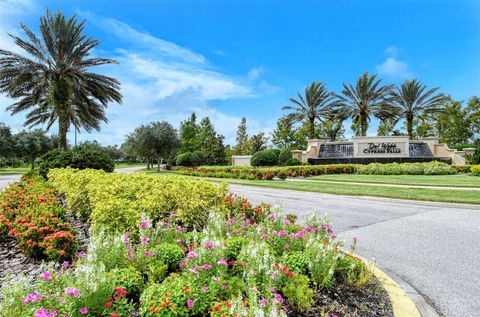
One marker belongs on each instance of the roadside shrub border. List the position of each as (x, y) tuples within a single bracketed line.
[(267, 173)]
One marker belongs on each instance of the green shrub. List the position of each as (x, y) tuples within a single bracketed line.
[(430, 168), (169, 254), (117, 201), (298, 293), (79, 158), (293, 162), (284, 156), (130, 279), (184, 159), (475, 169), (197, 158), (264, 158)]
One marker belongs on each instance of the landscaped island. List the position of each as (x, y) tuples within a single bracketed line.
[(171, 246)]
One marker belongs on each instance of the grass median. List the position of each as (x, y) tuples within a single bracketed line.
[(14, 170), (458, 180), (424, 194)]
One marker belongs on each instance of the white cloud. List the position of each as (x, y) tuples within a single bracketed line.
[(255, 73), (393, 51), (394, 68)]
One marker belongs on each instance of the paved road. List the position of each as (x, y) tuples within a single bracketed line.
[(434, 247), (5, 180)]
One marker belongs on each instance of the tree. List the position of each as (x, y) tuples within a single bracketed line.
[(56, 83), (387, 127), (242, 147), (32, 144), (6, 141), (189, 131), (332, 129), (258, 142), (412, 99), (367, 98), (164, 140), (316, 104), (211, 143), (284, 134), (140, 143)]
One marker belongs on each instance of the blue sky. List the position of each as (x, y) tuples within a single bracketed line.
[(228, 59)]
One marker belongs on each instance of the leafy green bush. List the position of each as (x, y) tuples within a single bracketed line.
[(298, 292), (169, 254), (129, 279), (117, 201), (284, 156), (293, 162), (430, 168), (80, 158), (475, 169), (264, 158), (197, 158), (184, 159)]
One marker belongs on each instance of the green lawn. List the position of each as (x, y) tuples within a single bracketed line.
[(424, 194), (14, 170), (124, 165), (458, 180)]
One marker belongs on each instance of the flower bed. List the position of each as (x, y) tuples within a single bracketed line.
[(247, 261), (430, 168), (30, 211), (115, 202)]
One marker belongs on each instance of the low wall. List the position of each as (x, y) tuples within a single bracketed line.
[(241, 160)]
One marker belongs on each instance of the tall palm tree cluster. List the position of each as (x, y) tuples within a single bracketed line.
[(366, 99), (52, 80)]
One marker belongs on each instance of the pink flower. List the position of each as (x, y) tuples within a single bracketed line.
[(286, 246), (31, 298), (143, 224), (190, 303), (131, 258), (209, 245), (263, 302), (182, 265), (205, 288), (254, 273), (71, 291), (44, 313), (83, 311), (272, 217), (286, 222), (145, 240), (147, 253), (300, 234), (191, 254), (282, 233), (65, 264), (194, 270), (264, 236), (308, 229), (224, 287), (130, 251), (46, 276), (222, 262), (206, 266)]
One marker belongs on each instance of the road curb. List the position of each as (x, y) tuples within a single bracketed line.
[(406, 301)]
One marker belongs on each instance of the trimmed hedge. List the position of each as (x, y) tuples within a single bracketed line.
[(79, 158), (284, 156), (475, 169), (430, 168), (117, 201), (184, 159), (264, 158)]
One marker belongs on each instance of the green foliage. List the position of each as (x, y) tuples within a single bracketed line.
[(184, 159), (129, 279), (118, 200), (293, 162), (80, 158), (233, 247), (197, 158), (430, 168), (169, 254), (284, 156), (298, 292), (354, 271), (475, 169), (243, 146), (264, 158)]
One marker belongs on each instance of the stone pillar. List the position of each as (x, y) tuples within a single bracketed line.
[(431, 142), (469, 150)]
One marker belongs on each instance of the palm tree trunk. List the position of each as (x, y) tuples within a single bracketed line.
[(311, 128), (62, 132), (409, 119), (33, 162), (363, 124)]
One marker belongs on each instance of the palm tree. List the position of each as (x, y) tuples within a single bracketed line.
[(317, 103), (412, 98), (367, 98), (55, 83)]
